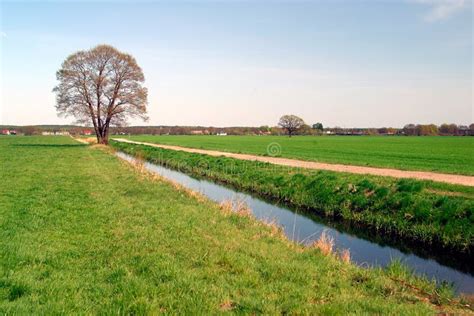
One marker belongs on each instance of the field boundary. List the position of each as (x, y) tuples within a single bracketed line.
[(385, 172)]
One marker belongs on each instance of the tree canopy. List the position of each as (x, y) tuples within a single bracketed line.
[(103, 87), (291, 123), (318, 126)]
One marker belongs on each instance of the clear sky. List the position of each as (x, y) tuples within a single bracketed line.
[(343, 63)]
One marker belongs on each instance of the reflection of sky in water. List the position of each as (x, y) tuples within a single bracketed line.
[(301, 228)]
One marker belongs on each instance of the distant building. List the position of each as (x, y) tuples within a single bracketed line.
[(61, 133), (5, 132), (87, 132), (221, 134), (197, 132)]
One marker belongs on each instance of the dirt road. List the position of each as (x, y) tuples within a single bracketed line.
[(395, 173)]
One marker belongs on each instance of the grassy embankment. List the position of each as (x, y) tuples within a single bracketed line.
[(83, 232), (438, 154), (417, 211)]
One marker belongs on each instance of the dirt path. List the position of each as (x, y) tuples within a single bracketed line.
[(395, 173)]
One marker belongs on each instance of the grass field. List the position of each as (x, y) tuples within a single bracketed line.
[(439, 154), (82, 232)]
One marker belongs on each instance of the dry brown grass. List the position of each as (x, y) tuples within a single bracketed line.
[(105, 148), (139, 165), (88, 140), (242, 209), (227, 305), (237, 206), (226, 207), (275, 229), (345, 256), (447, 193), (325, 244)]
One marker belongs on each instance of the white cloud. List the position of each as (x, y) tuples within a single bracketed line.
[(3, 34), (442, 9)]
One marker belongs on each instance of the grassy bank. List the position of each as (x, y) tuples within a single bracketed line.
[(82, 232), (426, 213), (438, 154)]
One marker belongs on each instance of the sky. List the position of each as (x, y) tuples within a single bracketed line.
[(246, 63)]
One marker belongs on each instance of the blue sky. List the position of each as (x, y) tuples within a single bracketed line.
[(344, 63)]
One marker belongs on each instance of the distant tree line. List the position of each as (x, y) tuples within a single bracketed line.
[(294, 125), (407, 130), (304, 129), (443, 129)]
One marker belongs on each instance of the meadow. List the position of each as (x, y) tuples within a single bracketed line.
[(428, 213), (82, 232), (438, 154)]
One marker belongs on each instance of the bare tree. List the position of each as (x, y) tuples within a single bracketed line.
[(102, 86), (291, 123)]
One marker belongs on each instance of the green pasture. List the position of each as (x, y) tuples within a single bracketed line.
[(438, 154)]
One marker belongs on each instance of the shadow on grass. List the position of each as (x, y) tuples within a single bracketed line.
[(50, 145)]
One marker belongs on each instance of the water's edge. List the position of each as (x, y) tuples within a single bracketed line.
[(305, 228)]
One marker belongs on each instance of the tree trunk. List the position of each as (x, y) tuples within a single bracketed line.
[(103, 140), (103, 135)]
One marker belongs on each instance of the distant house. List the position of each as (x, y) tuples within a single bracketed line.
[(5, 132), (221, 134), (196, 132), (48, 133), (87, 132), (12, 132)]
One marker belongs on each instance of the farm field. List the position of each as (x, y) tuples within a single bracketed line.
[(437, 154), (82, 232)]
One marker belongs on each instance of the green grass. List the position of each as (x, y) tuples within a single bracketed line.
[(420, 212), (82, 232), (439, 154)]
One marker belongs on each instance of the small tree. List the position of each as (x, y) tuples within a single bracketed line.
[(102, 85), (318, 127), (291, 123)]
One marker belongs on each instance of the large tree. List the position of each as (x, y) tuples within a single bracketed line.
[(103, 87), (291, 123)]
